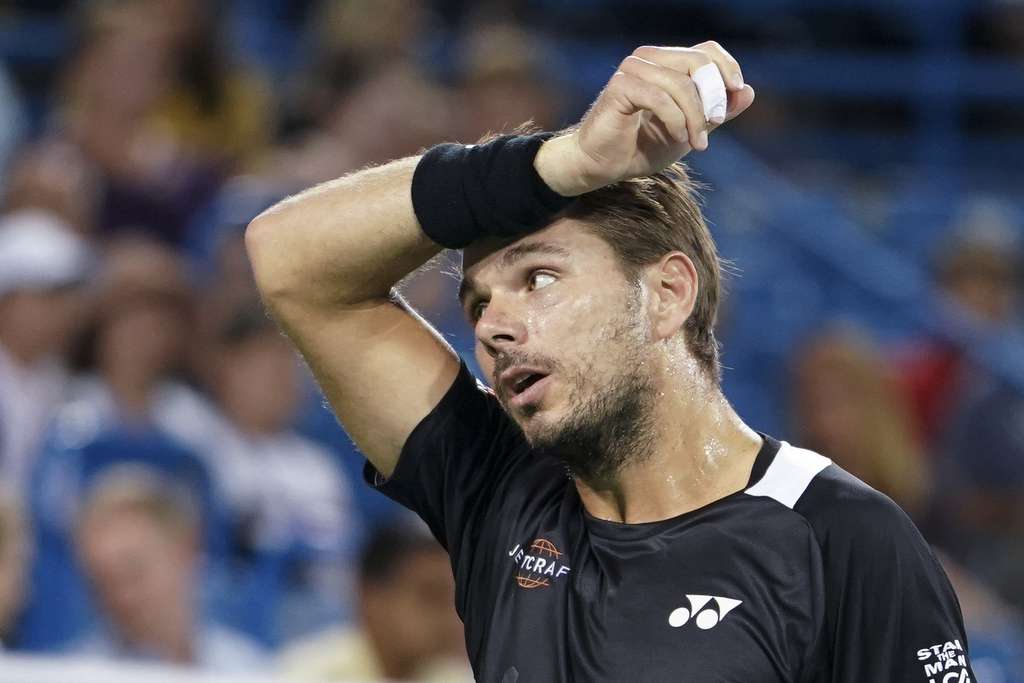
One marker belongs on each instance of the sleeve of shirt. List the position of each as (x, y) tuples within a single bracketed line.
[(891, 613), (454, 465)]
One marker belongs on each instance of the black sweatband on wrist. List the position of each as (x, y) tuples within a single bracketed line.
[(463, 192)]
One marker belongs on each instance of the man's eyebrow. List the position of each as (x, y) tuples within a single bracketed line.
[(509, 258), (522, 250)]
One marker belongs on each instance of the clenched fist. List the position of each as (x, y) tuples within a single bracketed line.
[(648, 116)]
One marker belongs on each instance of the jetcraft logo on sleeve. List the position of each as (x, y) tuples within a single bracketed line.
[(705, 611), (539, 564)]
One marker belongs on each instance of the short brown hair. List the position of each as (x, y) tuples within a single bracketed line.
[(141, 489), (642, 219)]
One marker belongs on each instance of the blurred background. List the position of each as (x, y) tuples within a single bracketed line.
[(174, 493)]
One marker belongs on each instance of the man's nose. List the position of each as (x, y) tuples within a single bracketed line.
[(500, 328)]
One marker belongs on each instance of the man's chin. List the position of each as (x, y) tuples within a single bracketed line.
[(534, 423)]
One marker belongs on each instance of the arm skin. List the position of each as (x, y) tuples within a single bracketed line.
[(326, 260)]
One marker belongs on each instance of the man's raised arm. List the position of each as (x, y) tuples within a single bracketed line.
[(325, 263), (326, 260)]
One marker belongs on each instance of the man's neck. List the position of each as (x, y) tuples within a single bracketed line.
[(702, 452)]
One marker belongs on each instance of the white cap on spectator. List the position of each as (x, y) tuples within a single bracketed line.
[(39, 250)]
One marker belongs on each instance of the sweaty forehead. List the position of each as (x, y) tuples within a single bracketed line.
[(564, 235)]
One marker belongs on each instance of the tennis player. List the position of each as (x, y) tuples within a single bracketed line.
[(608, 515)]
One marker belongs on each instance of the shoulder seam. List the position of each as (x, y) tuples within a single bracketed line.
[(789, 475)]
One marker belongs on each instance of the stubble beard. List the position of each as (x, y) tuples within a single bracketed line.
[(606, 431)]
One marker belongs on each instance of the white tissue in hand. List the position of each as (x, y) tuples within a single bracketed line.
[(711, 88)]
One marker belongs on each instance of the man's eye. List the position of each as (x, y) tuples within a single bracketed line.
[(538, 280), (477, 311)]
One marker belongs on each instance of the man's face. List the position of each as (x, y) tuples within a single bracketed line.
[(148, 334), (414, 610), (258, 383), (566, 341), (140, 571), (44, 320)]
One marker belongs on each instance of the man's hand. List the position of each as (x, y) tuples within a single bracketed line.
[(647, 117)]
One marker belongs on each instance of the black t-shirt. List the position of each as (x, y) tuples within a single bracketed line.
[(805, 575)]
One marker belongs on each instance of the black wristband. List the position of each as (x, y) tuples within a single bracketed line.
[(461, 193)]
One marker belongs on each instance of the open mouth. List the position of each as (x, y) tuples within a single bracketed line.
[(524, 383), (517, 382)]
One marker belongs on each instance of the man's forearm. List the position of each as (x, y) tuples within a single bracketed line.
[(340, 244)]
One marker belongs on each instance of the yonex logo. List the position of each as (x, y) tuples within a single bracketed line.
[(705, 610)]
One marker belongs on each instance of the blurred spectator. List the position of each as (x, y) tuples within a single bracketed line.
[(152, 106), (139, 542), (846, 405), (318, 422), (135, 353), (381, 114), (131, 361), (984, 456), (14, 558), (365, 97), (981, 494), (503, 84), (407, 626), (380, 32), (78, 452), (976, 272), (995, 629), (978, 269), (13, 123), (212, 106), (290, 503), (974, 420), (41, 262), (53, 176)]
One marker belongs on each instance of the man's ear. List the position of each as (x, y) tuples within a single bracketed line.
[(672, 283)]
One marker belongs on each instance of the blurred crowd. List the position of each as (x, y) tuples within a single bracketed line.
[(926, 422), (173, 488)]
